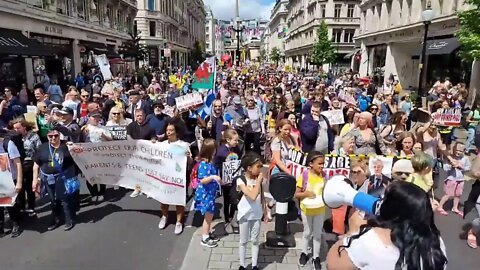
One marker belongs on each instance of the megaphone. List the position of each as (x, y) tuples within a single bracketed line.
[(338, 191)]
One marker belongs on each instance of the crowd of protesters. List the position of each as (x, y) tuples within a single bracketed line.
[(259, 114)]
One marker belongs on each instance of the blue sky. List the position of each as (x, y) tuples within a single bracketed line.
[(249, 9)]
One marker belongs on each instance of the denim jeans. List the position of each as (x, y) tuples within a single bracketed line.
[(61, 202), (470, 139)]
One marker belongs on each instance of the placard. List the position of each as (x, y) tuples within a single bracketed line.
[(230, 171), (7, 187), (296, 162), (335, 117), (381, 166), (104, 66), (336, 165), (156, 169), (185, 102), (169, 110), (447, 117), (118, 133)]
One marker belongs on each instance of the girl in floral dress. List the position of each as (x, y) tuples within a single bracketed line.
[(208, 185)]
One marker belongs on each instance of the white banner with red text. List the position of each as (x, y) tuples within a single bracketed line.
[(156, 169)]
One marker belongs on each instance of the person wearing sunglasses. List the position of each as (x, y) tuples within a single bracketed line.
[(53, 165), (157, 120), (82, 108)]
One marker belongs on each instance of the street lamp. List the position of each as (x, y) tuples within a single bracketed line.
[(427, 16), (238, 31)]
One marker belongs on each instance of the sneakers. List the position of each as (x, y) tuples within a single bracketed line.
[(255, 268), (135, 193), (53, 226), (208, 243), (178, 228), (100, 198), (163, 223), (213, 237), (317, 265), (303, 260), (68, 226), (15, 231), (242, 268)]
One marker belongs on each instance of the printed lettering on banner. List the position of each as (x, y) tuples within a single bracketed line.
[(188, 101), (157, 169), (296, 162), (335, 117), (7, 187), (336, 165), (118, 132), (104, 66), (447, 117), (230, 171)]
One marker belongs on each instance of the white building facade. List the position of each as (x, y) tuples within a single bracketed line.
[(391, 35), (303, 19), (170, 29), (73, 30), (210, 37), (277, 28)]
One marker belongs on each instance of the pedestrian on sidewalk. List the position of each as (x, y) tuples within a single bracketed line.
[(208, 186), (251, 207), (310, 188)]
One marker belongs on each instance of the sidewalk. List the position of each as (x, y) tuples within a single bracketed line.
[(225, 256)]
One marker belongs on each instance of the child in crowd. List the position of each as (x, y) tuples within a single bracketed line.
[(422, 164), (251, 207), (227, 151), (453, 186), (310, 185), (209, 184)]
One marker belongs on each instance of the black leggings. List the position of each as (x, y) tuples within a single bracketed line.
[(27, 187), (252, 138), (228, 208)]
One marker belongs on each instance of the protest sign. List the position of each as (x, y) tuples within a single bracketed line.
[(335, 117), (188, 101), (230, 171), (336, 165), (104, 66), (7, 187), (157, 169), (169, 110), (447, 117), (118, 133), (380, 166), (345, 96), (296, 162), (32, 109)]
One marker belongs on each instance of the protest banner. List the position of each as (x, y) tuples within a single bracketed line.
[(104, 66), (118, 133), (169, 110), (447, 117), (7, 187), (230, 171), (335, 117), (186, 102), (336, 165), (156, 169), (380, 165), (296, 162)]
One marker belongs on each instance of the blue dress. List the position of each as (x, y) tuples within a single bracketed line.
[(206, 194)]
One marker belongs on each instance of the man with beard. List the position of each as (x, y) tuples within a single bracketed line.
[(215, 122), (157, 120)]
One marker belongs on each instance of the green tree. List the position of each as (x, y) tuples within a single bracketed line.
[(198, 54), (322, 51), (132, 48), (275, 55)]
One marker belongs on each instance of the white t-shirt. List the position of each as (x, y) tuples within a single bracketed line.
[(13, 153), (248, 209), (368, 252)]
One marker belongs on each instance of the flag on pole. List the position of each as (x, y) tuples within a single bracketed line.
[(206, 109), (204, 77)]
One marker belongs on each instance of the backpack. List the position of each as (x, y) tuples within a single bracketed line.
[(17, 140), (235, 194), (194, 176)]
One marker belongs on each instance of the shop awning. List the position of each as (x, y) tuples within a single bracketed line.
[(97, 48), (13, 42), (440, 46)]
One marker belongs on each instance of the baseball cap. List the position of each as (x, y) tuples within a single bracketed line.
[(66, 110), (94, 114), (236, 100), (402, 165)]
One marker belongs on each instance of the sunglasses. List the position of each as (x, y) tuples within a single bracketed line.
[(157, 107), (402, 173), (53, 136), (85, 96), (115, 113), (357, 172)]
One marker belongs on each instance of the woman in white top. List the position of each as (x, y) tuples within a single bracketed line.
[(250, 207), (117, 124), (402, 236)]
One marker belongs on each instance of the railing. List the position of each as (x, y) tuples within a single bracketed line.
[(345, 20)]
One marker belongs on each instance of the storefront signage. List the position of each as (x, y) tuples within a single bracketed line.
[(438, 45), (92, 36), (53, 30)]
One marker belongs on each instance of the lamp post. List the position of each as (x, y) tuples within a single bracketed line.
[(427, 16), (238, 31)]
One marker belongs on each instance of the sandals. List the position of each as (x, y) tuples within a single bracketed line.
[(458, 212), (472, 240), (442, 212)]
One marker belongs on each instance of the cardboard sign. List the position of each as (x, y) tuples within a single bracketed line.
[(336, 165), (230, 171), (380, 166), (296, 162), (347, 97), (104, 66), (169, 110), (447, 117), (335, 117), (118, 133), (188, 101)]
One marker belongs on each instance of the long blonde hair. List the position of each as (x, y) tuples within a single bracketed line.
[(116, 109)]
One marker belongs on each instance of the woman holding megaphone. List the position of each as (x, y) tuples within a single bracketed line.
[(402, 236)]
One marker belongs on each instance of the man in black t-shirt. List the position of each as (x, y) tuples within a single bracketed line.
[(139, 129)]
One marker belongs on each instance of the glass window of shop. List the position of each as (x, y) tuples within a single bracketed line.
[(56, 67)]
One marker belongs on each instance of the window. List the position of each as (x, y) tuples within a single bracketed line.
[(322, 11), (151, 5), (153, 26), (81, 9), (337, 35), (350, 10), (338, 10), (135, 28), (348, 36), (63, 7)]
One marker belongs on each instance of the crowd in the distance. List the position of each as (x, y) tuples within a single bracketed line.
[(257, 116)]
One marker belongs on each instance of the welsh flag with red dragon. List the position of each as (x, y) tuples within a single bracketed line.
[(204, 77)]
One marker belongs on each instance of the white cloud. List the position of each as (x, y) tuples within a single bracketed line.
[(249, 9)]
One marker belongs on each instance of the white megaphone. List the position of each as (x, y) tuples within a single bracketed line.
[(339, 191)]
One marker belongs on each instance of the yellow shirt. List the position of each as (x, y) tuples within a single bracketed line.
[(315, 183), (421, 181)]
